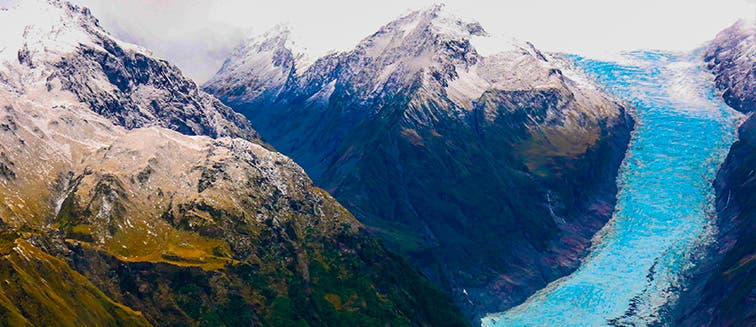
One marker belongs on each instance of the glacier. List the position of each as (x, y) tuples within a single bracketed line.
[(665, 211)]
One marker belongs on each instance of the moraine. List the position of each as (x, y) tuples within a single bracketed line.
[(665, 209)]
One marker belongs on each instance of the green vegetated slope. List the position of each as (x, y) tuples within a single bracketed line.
[(108, 225)]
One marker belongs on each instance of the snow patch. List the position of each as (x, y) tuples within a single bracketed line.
[(323, 96), (467, 87), (51, 26)]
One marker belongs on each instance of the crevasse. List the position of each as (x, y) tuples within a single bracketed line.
[(664, 214)]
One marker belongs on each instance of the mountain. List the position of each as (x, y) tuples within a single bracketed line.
[(113, 215), (722, 291), (120, 81), (273, 56), (731, 56), (491, 173)]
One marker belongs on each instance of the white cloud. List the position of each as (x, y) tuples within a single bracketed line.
[(198, 34)]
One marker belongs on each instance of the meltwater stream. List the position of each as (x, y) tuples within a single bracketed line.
[(665, 203)]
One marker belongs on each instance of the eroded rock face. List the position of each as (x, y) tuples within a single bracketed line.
[(731, 56), (146, 225), (490, 172), (721, 291)]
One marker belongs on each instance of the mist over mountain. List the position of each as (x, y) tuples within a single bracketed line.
[(198, 37)]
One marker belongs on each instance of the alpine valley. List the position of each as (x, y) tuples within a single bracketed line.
[(416, 179)]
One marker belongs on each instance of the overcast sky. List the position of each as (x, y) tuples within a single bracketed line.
[(198, 34)]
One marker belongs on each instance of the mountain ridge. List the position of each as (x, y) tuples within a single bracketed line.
[(121, 81), (417, 133), (150, 226)]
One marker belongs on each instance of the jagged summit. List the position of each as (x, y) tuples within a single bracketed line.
[(432, 48), (442, 149), (51, 45), (435, 22), (284, 36), (280, 37), (49, 26), (432, 40), (275, 57), (430, 51), (105, 225)]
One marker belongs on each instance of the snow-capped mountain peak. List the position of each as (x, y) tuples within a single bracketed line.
[(434, 20), (52, 26), (78, 188), (263, 67), (413, 111), (274, 56), (50, 46), (420, 35), (58, 28), (431, 48), (279, 37)]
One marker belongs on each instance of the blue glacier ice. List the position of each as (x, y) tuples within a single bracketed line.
[(664, 213)]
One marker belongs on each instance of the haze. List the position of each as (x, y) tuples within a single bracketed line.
[(197, 35)]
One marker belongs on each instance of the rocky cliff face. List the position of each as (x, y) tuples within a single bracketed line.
[(490, 172), (108, 222), (722, 291), (730, 57)]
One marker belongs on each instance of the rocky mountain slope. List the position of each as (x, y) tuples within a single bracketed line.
[(490, 172), (112, 216), (723, 290)]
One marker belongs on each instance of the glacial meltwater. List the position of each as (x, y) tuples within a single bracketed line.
[(665, 208)]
